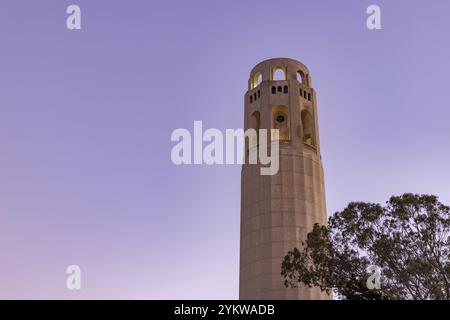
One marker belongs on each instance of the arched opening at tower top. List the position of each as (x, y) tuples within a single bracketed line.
[(254, 123), (257, 79), (280, 121), (279, 73), (301, 77), (308, 128), (254, 120)]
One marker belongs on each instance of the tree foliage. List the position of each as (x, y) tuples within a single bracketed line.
[(408, 238)]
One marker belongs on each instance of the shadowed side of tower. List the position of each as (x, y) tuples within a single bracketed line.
[(278, 211)]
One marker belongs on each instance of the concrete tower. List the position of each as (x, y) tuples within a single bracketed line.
[(278, 211)]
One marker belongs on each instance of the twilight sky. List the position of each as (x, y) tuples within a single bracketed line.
[(86, 118)]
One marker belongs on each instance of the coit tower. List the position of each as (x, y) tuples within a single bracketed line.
[(278, 211)]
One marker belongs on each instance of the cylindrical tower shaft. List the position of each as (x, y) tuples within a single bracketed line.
[(278, 211)]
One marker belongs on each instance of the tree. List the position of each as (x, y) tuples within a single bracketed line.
[(409, 239)]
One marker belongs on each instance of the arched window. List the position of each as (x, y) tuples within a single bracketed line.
[(274, 90), (259, 93), (308, 128), (285, 89), (254, 96), (279, 89), (257, 79), (301, 77), (279, 74), (254, 123), (280, 121)]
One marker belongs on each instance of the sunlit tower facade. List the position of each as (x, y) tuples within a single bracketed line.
[(277, 211)]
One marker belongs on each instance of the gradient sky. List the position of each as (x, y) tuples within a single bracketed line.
[(86, 118)]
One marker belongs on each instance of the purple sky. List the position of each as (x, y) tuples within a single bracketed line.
[(86, 117)]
